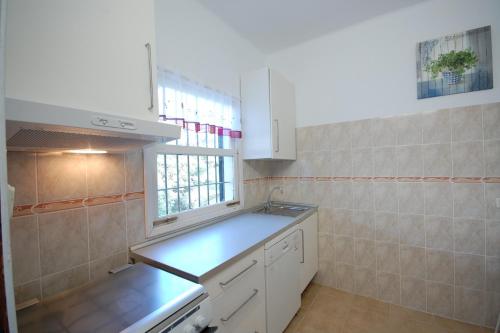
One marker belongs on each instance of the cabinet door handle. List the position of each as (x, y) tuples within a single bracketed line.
[(277, 135), (150, 68), (303, 248), (223, 284), (228, 318)]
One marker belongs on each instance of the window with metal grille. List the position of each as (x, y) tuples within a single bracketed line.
[(195, 177)]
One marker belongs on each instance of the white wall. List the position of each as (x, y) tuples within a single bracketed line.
[(368, 70), (194, 42)]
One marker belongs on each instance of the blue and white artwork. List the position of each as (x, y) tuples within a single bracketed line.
[(455, 64)]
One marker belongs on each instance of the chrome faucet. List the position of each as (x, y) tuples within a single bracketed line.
[(268, 202)]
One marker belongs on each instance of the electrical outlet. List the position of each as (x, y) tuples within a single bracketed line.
[(498, 202)]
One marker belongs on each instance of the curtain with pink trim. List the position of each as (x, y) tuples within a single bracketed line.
[(197, 108)]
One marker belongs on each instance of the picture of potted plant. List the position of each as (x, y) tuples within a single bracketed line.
[(452, 65)]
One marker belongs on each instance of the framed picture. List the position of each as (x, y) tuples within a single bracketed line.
[(455, 64)]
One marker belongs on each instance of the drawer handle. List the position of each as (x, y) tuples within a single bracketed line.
[(224, 284), (255, 292)]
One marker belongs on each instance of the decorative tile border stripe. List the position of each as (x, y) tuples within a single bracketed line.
[(47, 207), (382, 179)]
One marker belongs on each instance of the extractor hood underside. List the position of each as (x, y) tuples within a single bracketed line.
[(46, 140)]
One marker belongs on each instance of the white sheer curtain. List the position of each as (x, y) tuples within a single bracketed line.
[(182, 100)]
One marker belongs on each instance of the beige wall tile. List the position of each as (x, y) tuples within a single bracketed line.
[(326, 247), (386, 227), (412, 230), (410, 161), (491, 121), (105, 174), (493, 238), (345, 276), (322, 164), (411, 198), (365, 281), (364, 253), (344, 249), (440, 266), (21, 169), (136, 229), (439, 233), (361, 133), (340, 136), (134, 171), (468, 200), (326, 273), (362, 195), (28, 291), (493, 274), (492, 309), (469, 271), (385, 196), (468, 159), (342, 222), (100, 268), (492, 192), (364, 224), (362, 162), (323, 194), (467, 123), (469, 236), (384, 162), (440, 299), (413, 261), (436, 127), (438, 199), (492, 158), (387, 257), (342, 195), (63, 240), (325, 217), (437, 160), (413, 293), (321, 138), (61, 177), (384, 132), (342, 163), (72, 278), (409, 129), (304, 139), (306, 167), (25, 249), (389, 287), (107, 230), (469, 305)]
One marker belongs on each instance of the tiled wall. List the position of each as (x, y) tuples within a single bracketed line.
[(407, 208), (76, 215)]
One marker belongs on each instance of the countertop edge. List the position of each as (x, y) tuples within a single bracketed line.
[(203, 278)]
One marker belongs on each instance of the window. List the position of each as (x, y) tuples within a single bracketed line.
[(196, 177)]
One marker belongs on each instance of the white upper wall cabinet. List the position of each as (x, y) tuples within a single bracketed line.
[(83, 54), (268, 116)]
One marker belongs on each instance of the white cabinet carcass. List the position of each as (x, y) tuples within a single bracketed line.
[(308, 231)]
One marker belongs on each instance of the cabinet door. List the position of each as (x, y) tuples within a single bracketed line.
[(282, 101), (82, 54), (309, 262)]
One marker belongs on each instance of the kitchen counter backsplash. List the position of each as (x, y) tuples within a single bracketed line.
[(75, 217), (406, 207)]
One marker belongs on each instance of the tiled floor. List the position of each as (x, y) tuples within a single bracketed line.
[(327, 310)]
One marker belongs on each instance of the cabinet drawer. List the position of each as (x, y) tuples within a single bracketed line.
[(246, 272), (241, 311)]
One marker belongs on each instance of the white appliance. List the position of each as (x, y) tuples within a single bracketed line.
[(34, 126), (282, 258)]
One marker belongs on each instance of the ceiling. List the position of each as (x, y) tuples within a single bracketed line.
[(272, 25)]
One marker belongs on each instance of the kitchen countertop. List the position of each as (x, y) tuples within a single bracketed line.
[(112, 304), (200, 253)]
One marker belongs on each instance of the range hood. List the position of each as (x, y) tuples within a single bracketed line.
[(38, 127)]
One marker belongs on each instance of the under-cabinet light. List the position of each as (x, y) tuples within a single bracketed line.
[(86, 151)]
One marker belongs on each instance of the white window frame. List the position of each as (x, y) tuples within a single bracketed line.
[(193, 216)]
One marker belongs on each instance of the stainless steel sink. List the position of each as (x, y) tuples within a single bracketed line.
[(283, 210)]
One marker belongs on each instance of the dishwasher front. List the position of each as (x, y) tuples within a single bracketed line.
[(282, 282)]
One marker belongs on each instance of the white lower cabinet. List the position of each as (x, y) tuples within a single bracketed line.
[(308, 230), (239, 296)]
